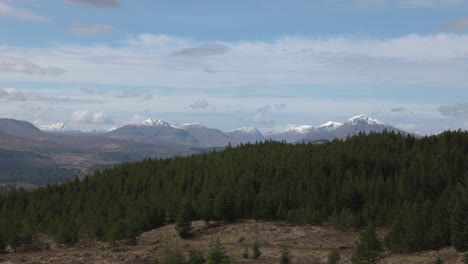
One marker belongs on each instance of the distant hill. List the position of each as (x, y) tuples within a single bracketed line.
[(155, 138)]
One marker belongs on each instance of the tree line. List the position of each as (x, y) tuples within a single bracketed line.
[(417, 187)]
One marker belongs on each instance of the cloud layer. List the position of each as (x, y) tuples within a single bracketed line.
[(90, 118), (413, 60), (23, 14), (18, 65), (91, 30), (98, 3)]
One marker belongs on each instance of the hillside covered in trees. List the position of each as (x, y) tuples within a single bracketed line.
[(417, 187)]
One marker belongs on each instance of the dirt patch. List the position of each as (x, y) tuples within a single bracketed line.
[(306, 244)]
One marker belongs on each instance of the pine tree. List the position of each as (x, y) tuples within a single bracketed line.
[(284, 259), (196, 257), (438, 261), (368, 249), (459, 218), (465, 258), (184, 218), (256, 250), (245, 254), (216, 254), (333, 257)]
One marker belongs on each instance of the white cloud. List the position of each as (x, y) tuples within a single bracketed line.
[(90, 118), (201, 104), (458, 24), (23, 14), (97, 3), (18, 65), (87, 90), (91, 30), (129, 94), (412, 60), (454, 110), (405, 3), (202, 51), (12, 94), (262, 116)]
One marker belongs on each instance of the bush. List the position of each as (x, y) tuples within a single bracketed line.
[(284, 259), (333, 257), (217, 255), (245, 254), (196, 257), (369, 248), (256, 250)]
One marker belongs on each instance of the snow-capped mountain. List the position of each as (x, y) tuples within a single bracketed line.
[(55, 128), (246, 134), (335, 130), (329, 126), (154, 122), (155, 131), (363, 120), (292, 133)]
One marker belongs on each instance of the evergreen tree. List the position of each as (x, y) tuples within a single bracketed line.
[(196, 257), (333, 257), (184, 218), (284, 259), (245, 254), (369, 248), (465, 258), (216, 254), (459, 218), (438, 261), (256, 250)]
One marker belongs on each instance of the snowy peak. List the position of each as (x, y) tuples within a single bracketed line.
[(246, 130), (304, 129), (363, 120), (59, 127), (329, 126), (190, 125), (155, 122)]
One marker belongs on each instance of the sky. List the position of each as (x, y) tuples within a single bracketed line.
[(101, 64)]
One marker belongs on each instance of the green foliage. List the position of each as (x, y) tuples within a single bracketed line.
[(387, 179), (196, 257), (438, 261), (217, 254), (284, 259), (256, 250), (465, 258), (368, 249), (184, 218), (245, 253), (459, 218), (333, 257)]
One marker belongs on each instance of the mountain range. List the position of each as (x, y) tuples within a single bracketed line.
[(60, 151)]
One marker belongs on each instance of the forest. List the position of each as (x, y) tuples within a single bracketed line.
[(418, 187)]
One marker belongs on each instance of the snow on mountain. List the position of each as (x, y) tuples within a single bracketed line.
[(329, 126), (190, 125), (304, 129), (247, 130), (59, 127), (154, 122), (363, 119)]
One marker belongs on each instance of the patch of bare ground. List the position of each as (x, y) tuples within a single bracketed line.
[(306, 244)]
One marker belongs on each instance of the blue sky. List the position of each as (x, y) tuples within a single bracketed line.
[(98, 64)]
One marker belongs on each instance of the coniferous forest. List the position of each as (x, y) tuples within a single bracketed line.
[(416, 187)]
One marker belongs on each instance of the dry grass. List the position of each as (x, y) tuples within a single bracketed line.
[(307, 244)]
